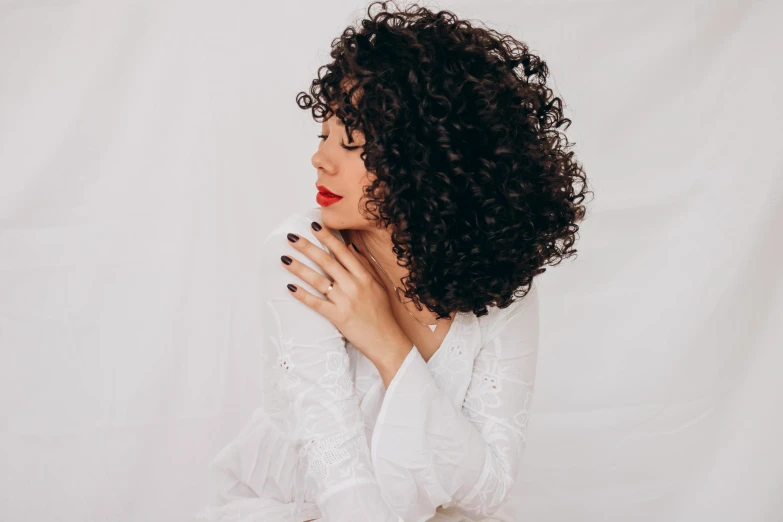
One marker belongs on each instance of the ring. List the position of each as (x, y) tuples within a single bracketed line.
[(331, 286)]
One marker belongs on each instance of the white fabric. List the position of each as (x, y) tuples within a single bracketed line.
[(148, 146), (331, 439)]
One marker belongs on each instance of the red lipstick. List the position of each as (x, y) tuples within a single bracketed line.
[(325, 197)]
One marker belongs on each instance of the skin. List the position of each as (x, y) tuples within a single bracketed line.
[(344, 173)]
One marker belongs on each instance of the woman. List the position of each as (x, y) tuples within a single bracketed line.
[(402, 317)]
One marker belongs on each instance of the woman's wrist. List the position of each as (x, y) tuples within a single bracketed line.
[(391, 358)]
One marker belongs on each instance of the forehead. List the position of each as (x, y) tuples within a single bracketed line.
[(333, 116), (332, 119)]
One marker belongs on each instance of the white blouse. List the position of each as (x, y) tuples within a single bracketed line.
[(330, 443)]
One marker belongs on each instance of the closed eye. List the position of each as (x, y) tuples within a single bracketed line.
[(323, 137)]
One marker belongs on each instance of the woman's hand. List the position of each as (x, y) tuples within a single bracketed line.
[(358, 305)]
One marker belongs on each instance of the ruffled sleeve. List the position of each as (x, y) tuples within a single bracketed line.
[(319, 456), (426, 453), (257, 477)]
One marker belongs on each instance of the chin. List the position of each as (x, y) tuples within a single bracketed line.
[(331, 219)]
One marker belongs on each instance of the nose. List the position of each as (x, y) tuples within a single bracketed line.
[(320, 162)]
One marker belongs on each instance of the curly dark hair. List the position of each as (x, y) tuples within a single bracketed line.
[(472, 175)]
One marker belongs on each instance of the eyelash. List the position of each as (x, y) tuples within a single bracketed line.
[(323, 137)]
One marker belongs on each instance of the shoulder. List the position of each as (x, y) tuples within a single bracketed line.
[(496, 318), (297, 222), (273, 275), (276, 244)]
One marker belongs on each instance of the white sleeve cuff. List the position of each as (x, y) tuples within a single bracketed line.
[(417, 434)]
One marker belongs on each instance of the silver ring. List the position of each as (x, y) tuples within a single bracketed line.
[(331, 286)]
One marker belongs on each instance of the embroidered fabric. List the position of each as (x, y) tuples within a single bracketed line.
[(443, 443)]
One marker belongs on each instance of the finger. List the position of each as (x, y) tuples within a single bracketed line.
[(317, 280), (323, 306), (340, 250), (331, 266)]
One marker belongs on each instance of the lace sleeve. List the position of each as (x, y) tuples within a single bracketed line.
[(309, 392), (427, 453)]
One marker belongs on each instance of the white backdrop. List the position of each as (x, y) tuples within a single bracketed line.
[(146, 148)]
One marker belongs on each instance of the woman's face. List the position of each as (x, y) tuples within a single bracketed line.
[(341, 171)]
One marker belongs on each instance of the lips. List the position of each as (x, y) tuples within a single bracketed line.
[(327, 192)]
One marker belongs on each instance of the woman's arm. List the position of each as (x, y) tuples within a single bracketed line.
[(304, 454), (426, 453), (313, 376), (257, 477), (464, 459)]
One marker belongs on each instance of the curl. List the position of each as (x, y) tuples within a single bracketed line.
[(473, 174)]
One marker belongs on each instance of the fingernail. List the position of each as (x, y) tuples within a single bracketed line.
[(315, 226), (354, 247), (291, 287), (293, 238), (286, 260)]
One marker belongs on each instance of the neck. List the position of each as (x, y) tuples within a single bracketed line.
[(379, 244)]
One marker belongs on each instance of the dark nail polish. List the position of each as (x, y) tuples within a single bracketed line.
[(293, 238), (286, 260), (291, 287), (315, 226)]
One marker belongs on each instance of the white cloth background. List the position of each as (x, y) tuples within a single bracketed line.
[(147, 147)]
